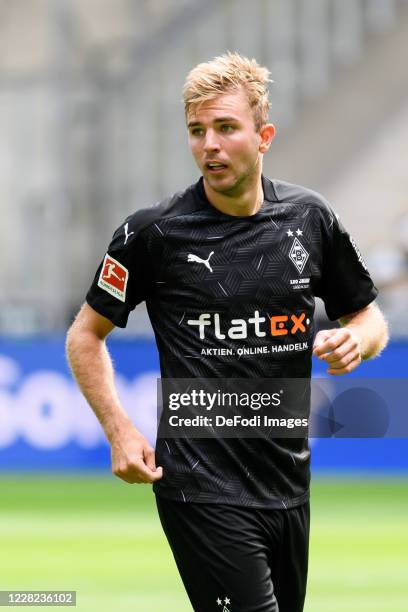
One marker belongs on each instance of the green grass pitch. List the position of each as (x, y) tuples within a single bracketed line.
[(102, 538)]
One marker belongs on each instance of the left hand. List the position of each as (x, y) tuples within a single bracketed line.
[(340, 348)]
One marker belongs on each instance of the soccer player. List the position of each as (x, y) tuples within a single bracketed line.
[(235, 260)]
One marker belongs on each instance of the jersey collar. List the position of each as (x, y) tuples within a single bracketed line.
[(201, 198)]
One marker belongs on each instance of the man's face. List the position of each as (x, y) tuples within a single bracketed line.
[(224, 143)]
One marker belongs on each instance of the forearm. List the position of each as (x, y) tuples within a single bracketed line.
[(92, 367), (371, 327)]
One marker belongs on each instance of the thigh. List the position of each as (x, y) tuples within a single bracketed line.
[(221, 555), (290, 573)]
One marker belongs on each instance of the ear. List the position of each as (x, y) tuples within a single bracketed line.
[(267, 134)]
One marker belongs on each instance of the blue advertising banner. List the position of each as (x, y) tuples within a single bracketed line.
[(45, 424), (365, 455)]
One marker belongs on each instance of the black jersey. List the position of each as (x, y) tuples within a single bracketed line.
[(233, 297)]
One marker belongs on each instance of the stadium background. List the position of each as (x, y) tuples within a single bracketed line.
[(91, 128)]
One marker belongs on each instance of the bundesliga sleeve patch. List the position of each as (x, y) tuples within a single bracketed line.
[(113, 278)]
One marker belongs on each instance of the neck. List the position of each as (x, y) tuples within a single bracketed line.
[(243, 202)]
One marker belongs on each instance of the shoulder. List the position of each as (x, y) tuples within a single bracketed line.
[(179, 204), (290, 192)]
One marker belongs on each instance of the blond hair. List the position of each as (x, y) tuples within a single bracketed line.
[(226, 74)]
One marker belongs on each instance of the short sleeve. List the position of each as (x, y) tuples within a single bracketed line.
[(123, 278), (345, 285)]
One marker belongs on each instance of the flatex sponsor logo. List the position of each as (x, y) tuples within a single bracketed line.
[(256, 325)]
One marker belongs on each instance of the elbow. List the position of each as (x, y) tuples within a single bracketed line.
[(385, 335), (71, 341), (383, 338), (81, 338)]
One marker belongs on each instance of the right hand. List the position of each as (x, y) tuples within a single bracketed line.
[(133, 459)]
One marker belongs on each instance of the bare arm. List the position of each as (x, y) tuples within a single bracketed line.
[(362, 335), (133, 458)]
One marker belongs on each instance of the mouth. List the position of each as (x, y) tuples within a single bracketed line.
[(215, 167)]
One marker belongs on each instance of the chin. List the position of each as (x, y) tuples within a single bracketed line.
[(221, 185)]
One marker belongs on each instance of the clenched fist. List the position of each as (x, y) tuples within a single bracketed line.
[(133, 459), (340, 348)]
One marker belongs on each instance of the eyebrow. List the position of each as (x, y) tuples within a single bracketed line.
[(219, 120)]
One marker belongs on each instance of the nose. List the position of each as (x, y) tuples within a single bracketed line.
[(211, 142)]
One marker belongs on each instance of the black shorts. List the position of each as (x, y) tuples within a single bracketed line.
[(238, 559)]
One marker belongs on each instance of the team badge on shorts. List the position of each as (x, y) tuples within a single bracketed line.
[(298, 255), (113, 278)]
